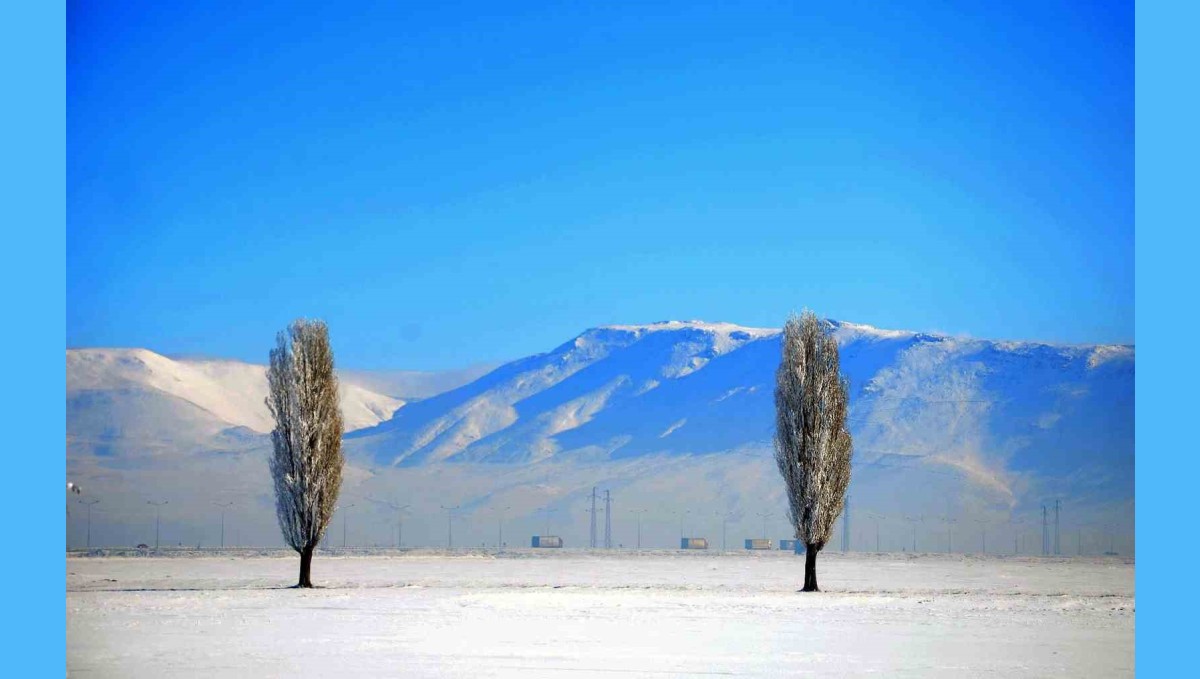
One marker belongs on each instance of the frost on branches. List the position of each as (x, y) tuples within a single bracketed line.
[(812, 443), (306, 461)]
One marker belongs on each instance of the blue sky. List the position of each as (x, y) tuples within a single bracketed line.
[(472, 183)]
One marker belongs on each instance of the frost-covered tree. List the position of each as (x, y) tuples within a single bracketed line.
[(306, 462), (812, 444)]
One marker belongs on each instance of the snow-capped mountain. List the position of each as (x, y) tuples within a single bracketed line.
[(668, 415), (988, 411), (533, 408), (231, 392)]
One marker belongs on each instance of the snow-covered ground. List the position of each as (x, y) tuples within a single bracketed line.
[(575, 613)]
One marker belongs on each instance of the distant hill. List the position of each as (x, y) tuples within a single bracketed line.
[(1001, 414), (674, 417)]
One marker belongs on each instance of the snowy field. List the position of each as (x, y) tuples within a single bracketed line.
[(575, 613)]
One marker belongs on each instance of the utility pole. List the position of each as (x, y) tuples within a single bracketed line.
[(546, 511), (1057, 508), (949, 534), (223, 506), (983, 525), (846, 525), (400, 525), (500, 532), (344, 513), (724, 521), (875, 518), (157, 519), (914, 520), (682, 516), (89, 504), (607, 520), (638, 513), (1045, 533), (592, 539), (450, 525)]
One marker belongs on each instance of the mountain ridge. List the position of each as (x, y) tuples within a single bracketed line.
[(665, 414)]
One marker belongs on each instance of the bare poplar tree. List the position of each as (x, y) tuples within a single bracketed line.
[(812, 444), (306, 463)]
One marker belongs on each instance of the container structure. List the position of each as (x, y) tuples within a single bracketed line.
[(758, 543), (788, 545), (693, 543), (547, 541)]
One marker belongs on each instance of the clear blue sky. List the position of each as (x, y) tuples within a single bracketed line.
[(470, 183)]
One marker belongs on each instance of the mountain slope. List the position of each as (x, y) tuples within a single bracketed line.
[(1004, 416), (674, 418), (230, 392)]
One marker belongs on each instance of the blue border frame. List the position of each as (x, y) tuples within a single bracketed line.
[(33, 277), (1167, 184), (32, 271)]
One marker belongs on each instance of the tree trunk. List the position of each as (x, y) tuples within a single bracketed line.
[(810, 568), (306, 555)]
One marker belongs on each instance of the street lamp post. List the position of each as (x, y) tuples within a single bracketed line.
[(764, 516), (157, 519), (876, 517), (638, 513), (89, 504), (914, 520), (949, 533), (399, 519), (223, 506)]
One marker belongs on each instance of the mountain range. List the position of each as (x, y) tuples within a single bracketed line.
[(665, 413)]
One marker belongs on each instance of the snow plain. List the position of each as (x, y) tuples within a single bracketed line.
[(578, 613)]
